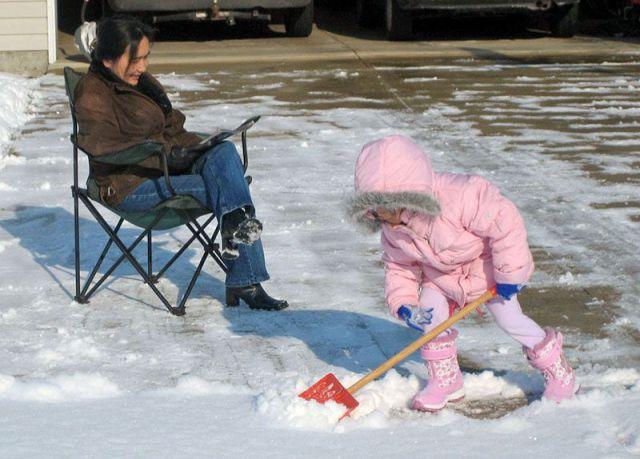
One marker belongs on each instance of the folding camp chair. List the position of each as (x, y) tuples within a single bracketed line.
[(174, 212)]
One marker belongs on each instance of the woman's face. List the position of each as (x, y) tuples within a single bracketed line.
[(129, 70), (388, 216)]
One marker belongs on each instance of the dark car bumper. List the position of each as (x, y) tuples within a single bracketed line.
[(479, 5), (192, 5)]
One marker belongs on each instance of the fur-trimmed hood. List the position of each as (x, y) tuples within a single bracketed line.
[(392, 173)]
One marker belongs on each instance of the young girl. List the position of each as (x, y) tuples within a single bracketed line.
[(447, 238)]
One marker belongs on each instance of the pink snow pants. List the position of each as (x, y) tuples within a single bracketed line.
[(507, 314)]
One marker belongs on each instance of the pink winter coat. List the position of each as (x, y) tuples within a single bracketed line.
[(459, 235)]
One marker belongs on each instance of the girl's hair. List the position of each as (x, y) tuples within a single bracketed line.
[(115, 33)]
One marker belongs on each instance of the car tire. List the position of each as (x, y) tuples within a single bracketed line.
[(564, 22), (399, 22), (298, 22), (368, 13)]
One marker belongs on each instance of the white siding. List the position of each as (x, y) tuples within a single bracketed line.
[(23, 25)]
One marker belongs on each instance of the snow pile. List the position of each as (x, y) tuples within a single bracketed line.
[(193, 386), (614, 379), (382, 403), (488, 385), (70, 350), (65, 388), (15, 97), (378, 402), (382, 398), (283, 404), (567, 279)]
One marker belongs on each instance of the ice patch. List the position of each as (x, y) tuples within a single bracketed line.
[(567, 279), (441, 110), (420, 79), (75, 349), (6, 382), (79, 386), (503, 350), (178, 82), (8, 315), (269, 86)]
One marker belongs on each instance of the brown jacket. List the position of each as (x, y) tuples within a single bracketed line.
[(113, 116)]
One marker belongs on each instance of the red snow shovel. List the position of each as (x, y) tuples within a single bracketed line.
[(329, 388)]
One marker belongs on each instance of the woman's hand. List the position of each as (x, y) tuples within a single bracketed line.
[(181, 158)]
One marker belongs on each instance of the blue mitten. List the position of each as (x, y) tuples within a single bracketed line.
[(506, 291), (415, 317)]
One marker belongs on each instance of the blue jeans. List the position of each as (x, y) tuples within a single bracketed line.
[(217, 180)]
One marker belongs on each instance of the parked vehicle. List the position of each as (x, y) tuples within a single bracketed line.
[(298, 14), (560, 15)]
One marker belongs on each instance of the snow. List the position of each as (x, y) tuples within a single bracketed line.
[(65, 388), (488, 385), (15, 98), (121, 377)]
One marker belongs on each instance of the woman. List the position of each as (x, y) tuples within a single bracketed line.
[(118, 106)]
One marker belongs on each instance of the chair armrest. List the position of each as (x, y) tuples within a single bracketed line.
[(165, 168)]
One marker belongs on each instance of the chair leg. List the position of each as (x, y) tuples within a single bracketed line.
[(96, 267), (207, 243), (76, 230), (210, 248), (152, 278), (184, 247), (194, 278)]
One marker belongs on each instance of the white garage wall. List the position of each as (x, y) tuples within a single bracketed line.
[(28, 25)]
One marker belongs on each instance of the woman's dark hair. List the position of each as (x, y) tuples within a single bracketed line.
[(115, 33)]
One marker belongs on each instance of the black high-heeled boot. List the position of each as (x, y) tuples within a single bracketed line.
[(255, 297)]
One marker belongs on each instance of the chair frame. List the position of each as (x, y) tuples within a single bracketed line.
[(198, 231)]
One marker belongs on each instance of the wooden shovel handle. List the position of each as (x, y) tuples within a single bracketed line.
[(411, 348)]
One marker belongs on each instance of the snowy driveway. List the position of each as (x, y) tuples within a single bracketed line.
[(559, 139)]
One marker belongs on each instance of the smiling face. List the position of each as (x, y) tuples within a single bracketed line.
[(127, 69)]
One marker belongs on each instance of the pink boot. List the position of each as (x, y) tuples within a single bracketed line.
[(547, 356), (445, 377)]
